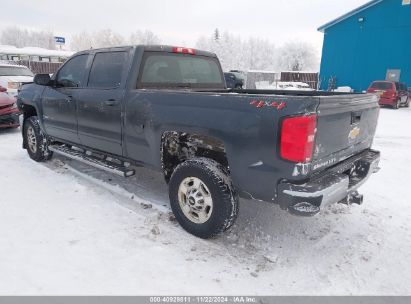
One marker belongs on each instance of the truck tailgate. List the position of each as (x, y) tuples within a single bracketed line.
[(346, 125)]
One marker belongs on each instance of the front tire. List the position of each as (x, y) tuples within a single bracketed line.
[(203, 198), (35, 140)]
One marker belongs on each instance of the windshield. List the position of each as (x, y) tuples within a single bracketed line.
[(15, 71), (382, 85), (181, 71)]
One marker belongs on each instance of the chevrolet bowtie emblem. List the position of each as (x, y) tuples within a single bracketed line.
[(354, 133)]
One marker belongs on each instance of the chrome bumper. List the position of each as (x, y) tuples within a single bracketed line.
[(336, 184)]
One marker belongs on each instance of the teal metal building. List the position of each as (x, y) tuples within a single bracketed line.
[(372, 42)]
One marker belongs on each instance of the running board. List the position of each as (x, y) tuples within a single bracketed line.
[(92, 160)]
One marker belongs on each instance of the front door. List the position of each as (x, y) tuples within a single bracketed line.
[(99, 104), (59, 102)]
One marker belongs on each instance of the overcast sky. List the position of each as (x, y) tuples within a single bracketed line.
[(181, 22)]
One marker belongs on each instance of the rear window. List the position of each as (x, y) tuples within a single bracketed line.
[(169, 70), (15, 71), (380, 85)]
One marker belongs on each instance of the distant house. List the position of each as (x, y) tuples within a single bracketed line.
[(372, 42)]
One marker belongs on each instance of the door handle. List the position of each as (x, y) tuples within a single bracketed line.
[(69, 98), (355, 117), (110, 102)]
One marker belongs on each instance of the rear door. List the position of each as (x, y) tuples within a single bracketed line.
[(59, 104), (99, 106)]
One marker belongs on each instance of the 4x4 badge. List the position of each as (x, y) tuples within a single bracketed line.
[(271, 104)]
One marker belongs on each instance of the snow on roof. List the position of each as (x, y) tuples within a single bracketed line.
[(348, 15), (34, 51)]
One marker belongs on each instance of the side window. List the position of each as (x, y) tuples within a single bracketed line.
[(72, 73), (107, 70)]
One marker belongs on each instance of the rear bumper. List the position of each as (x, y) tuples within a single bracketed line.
[(387, 101), (336, 184)]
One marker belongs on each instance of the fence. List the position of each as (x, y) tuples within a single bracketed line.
[(309, 78), (37, 67)]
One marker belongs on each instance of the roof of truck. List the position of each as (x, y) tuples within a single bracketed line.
[(154, 48)]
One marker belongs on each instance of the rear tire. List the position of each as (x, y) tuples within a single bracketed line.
[(36, 141), (203, 198), (397, 105)]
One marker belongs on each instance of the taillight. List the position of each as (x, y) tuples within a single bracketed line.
[(297, 138), (3, 89), (184, 50)]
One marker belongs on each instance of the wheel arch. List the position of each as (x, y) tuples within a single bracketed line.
[(27, 111), (178, 146)]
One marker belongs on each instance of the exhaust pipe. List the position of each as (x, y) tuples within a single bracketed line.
[(355, 198)]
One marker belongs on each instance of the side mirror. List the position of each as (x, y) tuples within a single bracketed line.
[(42, 79)]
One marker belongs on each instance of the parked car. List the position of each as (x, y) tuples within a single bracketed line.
[(13, 76), (239, 74), (393, 94), (9, 113), (168, 108), (232, 81)]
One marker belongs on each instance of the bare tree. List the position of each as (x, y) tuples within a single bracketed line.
[(259, 54), (216, 34), (107, 38), (145, 37), (298, 56), (236, 53), (98, 39), (81, 41), (23, 38)]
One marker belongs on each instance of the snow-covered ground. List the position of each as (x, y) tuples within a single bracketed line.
[(67, 229)]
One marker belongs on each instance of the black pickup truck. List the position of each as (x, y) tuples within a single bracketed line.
[(168, 108)]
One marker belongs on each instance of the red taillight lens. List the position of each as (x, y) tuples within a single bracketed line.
[(3, 89), (184, 50), (297, 138)]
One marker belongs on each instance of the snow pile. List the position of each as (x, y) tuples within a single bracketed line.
[(68, 229)]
